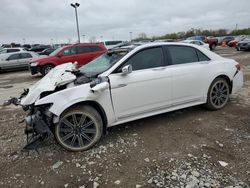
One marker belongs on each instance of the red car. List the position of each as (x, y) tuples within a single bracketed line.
[(81, 53), (233, 43)]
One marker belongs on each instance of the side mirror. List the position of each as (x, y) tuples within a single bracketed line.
[(7, 59), (127, 69), (59, 55)]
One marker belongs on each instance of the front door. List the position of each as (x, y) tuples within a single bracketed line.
[(146, 89), (68, 55)]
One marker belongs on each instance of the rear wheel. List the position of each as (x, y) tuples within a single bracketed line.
[(46, 68), (79, 128), (218, 94)]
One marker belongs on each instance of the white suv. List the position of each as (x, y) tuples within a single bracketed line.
[(124, 85), (11, 50)]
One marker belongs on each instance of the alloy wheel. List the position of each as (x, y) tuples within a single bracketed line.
[(77, 130), (219, 94)]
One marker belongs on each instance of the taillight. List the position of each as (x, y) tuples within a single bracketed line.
[(238, 67)]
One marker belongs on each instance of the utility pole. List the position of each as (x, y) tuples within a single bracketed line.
[(75, 6)]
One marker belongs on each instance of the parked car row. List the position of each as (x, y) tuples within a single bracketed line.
[(80, 53)]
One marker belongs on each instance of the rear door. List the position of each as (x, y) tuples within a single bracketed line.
[(190, 74), (146, 89), (25, 59), (12, 61)]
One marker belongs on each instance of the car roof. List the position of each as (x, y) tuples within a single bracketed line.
[(8, 54), (14, 48)]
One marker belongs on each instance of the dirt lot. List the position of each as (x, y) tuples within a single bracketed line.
[(186, 148)]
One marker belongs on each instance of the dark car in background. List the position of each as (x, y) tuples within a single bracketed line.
[(244, 44), (26, 46), (39, 48), (227, 39), (80, 53), (47, 51)]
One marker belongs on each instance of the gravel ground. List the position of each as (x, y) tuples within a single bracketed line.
[(187, 148)]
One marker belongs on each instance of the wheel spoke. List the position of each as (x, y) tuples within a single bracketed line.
[(89, 131), (224, 91), (69, 124), (74, 119), (216, 87), (66, 130), (86, 137), (80, 141), (87, 124), (219, 102), (66, 137), (223, 96), (213, 97), (216, 101), (222, 100), (82, 120), (73, 140)]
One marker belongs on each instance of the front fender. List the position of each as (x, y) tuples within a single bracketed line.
[(64, 99)]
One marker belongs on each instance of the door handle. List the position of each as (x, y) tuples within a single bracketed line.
[(159, 69), (119, 86)]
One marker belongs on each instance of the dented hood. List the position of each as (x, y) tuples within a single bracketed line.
[(58, 76)]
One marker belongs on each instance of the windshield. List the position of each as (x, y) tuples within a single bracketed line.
[(2, 51), (101, 64), (56, 51)]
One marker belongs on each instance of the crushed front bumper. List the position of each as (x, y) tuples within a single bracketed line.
[(37, 130)]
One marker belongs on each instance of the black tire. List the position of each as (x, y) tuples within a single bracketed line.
[(218, 94), (79, 128), (46, 68), (212, 47)]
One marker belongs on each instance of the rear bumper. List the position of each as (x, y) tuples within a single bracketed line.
[(237, 82)]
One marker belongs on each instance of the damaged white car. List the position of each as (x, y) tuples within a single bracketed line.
[(125, 84)]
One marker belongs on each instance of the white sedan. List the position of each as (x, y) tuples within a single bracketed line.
[(197, 42), (124, 85)]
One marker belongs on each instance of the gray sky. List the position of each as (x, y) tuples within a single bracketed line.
[(46, 21)]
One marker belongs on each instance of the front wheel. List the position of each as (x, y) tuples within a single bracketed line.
[(79, 128), (46, 68), (218, 94)]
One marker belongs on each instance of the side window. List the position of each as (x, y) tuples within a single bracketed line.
[(146, 59), (82, 49), (14, 57), (69, 51), (95, 48), (182, 54), (13, 50), (201, 56), (25, 55)]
